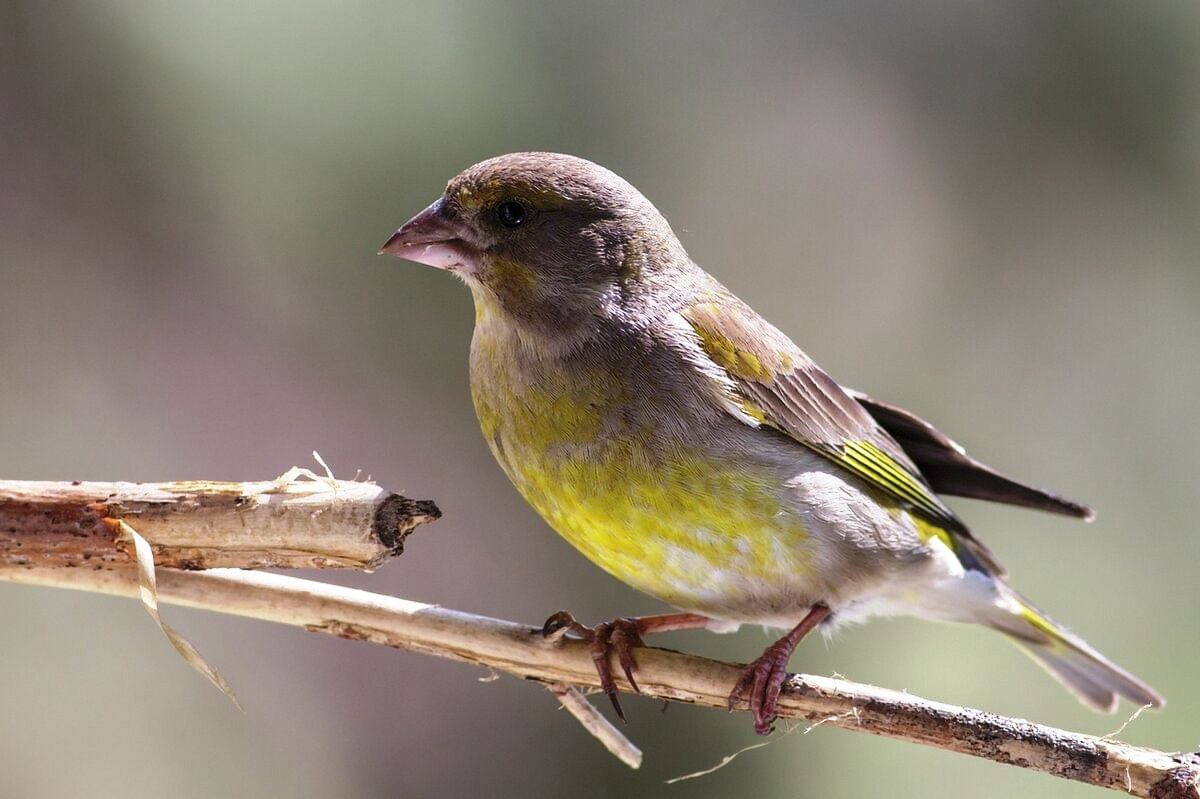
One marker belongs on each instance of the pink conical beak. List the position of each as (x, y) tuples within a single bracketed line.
[(432, 238)]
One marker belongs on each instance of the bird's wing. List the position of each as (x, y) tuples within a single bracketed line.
[(783, 388), (950, 470)]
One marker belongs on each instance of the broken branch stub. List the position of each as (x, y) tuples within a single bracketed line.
[(284, 523)]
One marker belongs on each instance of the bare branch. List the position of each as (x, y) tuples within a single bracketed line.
[(521, 650), (284, 523)]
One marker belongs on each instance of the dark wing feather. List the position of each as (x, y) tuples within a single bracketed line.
[(950, 470)]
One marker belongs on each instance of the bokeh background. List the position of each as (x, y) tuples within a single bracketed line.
[(986, 212)]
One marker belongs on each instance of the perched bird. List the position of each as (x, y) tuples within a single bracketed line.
[(690, 449)]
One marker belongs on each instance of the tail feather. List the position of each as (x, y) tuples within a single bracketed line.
[(1093, 678)]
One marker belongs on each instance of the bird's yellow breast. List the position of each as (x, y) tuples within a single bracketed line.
[(664, 516)]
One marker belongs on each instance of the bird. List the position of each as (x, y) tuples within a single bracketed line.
[(690, 449)]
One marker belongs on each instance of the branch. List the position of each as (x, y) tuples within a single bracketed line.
[(521, 650), (289, 522)]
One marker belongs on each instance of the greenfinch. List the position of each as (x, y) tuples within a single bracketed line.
[(690, 449)]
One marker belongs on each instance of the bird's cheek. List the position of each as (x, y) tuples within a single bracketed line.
[(511, 280)]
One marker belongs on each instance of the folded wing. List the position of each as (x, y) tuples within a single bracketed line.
[(781, 387), (950, 470)]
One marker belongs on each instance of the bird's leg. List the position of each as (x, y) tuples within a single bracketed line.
[(618, 636), (762, 680)]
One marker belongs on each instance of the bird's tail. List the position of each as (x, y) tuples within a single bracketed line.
[(1093, 678)]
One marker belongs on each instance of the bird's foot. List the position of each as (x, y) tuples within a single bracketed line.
[(617, 636), (760, 684), (761, 681)]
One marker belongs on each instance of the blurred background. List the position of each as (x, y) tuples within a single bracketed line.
[(985, 212)]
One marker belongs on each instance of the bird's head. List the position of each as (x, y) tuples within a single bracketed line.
[(551, 240)]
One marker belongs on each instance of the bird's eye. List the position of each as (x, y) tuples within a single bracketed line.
[(511, 213)]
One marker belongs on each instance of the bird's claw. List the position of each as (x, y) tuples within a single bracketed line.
[(617, 636), (759, 686), (560, 624)]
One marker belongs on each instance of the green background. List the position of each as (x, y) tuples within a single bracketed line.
[(985, 212)]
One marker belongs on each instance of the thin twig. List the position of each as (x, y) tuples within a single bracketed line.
[(520, 650), (575, 703)]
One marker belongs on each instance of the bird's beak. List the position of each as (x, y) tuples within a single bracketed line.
[(432, 238)]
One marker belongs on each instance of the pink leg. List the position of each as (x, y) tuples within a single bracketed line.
[(762, 680), (620, 636)]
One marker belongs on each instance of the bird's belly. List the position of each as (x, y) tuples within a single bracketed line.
[(707, 534), (698, 535)]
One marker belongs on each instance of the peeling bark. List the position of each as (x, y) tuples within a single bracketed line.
[(201, 524)]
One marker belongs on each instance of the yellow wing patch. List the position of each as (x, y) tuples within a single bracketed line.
[(927, 530), (876, 467), (746, 360), (739, 363)]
